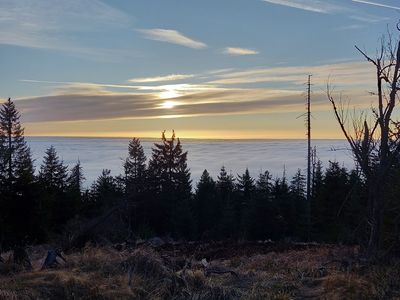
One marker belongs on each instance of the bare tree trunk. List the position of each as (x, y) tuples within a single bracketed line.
[(376, 147)]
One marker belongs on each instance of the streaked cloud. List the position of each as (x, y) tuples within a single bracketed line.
[(171, 77), (332, 7), (171, 36), (343, 74), (377, 4), (350, 27), (239, 51), (78, 106), (37, 24), (309, 5)]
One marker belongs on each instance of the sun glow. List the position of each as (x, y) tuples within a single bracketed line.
[(171, 93), (168, 104)]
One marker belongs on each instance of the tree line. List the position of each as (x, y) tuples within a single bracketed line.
[(154, 196)]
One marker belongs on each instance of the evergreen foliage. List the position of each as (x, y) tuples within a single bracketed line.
[(156, 198), (18, 204)]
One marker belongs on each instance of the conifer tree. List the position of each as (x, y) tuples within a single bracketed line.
[(105, 190), (297, 207), (53, 173), (334, 194), (17, 187), (246, 188), (15, 155), (207, 209), (53, 182), (170, 178), (75, 179), (262, 220), (74, 189), (225, 189), (168, 165), (281, 196), (135, 167), (246, 185)]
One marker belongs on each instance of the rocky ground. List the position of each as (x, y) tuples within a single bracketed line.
[(157, 269)]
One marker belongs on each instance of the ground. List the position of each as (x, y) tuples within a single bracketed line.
[(262, 270)]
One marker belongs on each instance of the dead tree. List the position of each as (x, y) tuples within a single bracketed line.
[(375, 145)]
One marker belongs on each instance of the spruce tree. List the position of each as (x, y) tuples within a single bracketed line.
[(170, 180), (19, 223), (226, 198), (135, 168), (105, 192), (53, 173), (334, 196), (297, 207), (281, 196), (15, 155), (207, 209), (262, 220), (74, 189), (53, 182), (75, 179), (246, 188)]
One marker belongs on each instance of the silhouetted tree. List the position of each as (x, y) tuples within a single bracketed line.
[(170, 180), (53, 173), (52, 179), (135, 167), (281, 196), (297, 211), (246, 188), (207, 208), (376, 146), (104, 194), (225, 189), (18, 191), (262, 220), (74, 188)]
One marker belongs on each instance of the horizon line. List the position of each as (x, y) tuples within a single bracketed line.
[(188, 138)]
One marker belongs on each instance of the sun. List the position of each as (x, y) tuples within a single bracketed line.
[(167, 94), (168, 104)]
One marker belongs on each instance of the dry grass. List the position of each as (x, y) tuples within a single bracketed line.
[(103, 273)]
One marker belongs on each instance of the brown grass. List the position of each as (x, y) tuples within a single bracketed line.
[(102, 273)]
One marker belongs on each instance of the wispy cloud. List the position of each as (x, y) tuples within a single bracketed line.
[(171, 36), (332, 7), (219, 94), (377, 4), (344, 74), (171, 77), (37, 24), (309, 5), (350, 27), (239, 51)]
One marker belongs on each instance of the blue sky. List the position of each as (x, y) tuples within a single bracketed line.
[(219, 68)]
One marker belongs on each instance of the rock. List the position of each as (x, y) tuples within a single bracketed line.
[(156, 242)]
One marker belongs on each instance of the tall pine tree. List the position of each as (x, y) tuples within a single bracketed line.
[(135, 168), (18, 204), (170, 178)]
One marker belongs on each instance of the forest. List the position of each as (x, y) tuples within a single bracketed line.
[(154, 197)]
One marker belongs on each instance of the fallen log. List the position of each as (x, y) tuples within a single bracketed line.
[(216, 270)]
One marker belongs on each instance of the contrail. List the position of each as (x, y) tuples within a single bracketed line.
[(377, 4)]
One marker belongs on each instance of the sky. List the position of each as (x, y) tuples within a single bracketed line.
[(207, 69)]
